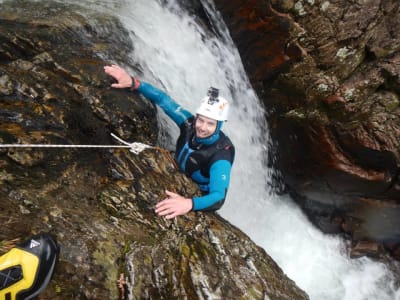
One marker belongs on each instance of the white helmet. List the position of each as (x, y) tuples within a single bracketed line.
[(213, 106)]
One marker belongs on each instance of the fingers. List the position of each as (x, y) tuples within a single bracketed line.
[(120, 75), (109, 69), (169, 206), (174, 205), (164, 205), (171, 194), (117, 86), (166, 208), (116, 67)]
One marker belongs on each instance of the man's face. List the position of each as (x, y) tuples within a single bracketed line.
[(205, 126)]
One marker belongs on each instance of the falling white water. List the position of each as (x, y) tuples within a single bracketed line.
[(179, 57)]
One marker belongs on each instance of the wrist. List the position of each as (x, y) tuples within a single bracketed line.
[(135, 84), (192, 202)]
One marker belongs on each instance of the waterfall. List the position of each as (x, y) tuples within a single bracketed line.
[(179, 57)]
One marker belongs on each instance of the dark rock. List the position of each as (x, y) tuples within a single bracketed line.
[(328, 73), (366, 248)]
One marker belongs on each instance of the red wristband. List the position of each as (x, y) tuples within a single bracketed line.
[(135, 83)]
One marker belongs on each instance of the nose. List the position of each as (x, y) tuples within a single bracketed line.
[(203, 126)]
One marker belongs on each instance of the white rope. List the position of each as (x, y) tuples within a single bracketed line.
[(59, 146), (135, 148)]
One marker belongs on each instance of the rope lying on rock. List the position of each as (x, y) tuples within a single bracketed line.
[(135, 147)]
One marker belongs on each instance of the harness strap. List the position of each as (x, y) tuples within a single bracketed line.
[(183, 156)]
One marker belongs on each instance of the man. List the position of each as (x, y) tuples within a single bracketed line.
[(203, 151)]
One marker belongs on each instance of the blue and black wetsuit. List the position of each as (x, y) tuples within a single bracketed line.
[(207, 161)]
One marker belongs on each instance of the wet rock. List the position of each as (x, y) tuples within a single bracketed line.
[(99, 203), (364, 248), (328, 73)]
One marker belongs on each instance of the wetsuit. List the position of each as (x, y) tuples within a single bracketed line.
[(207, 161)]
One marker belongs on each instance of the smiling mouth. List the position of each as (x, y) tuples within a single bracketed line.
[(200, 133)]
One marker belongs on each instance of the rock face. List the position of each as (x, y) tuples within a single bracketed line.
[(98, 203), (328, 73)]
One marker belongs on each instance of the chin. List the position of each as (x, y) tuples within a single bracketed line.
[(202, 136)]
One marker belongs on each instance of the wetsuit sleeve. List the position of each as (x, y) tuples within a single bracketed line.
[(165, 102), (219, 182)]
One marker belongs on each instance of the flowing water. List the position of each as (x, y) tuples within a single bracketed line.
[(178, 56)]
